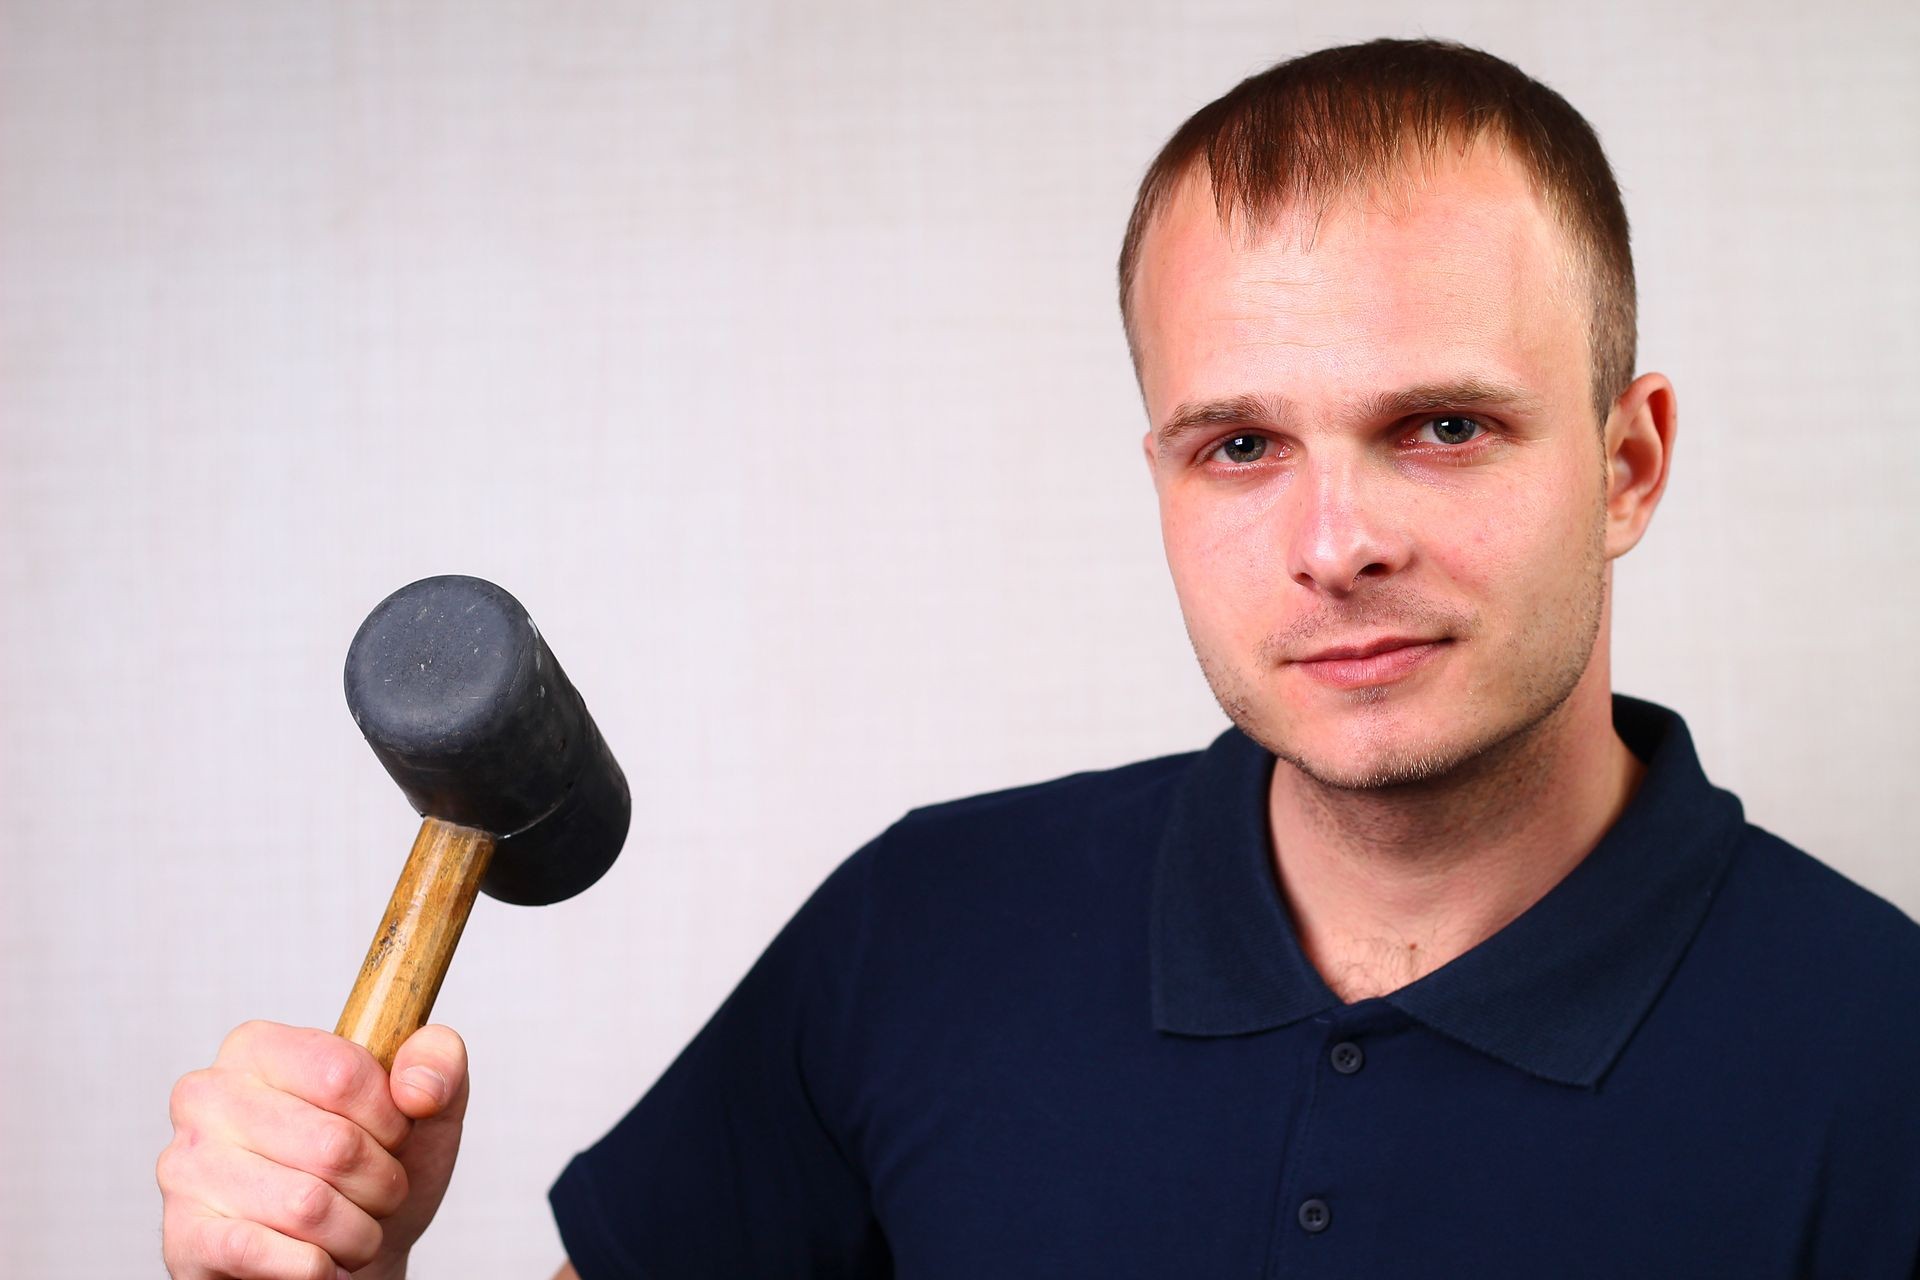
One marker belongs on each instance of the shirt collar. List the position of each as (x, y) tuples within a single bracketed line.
[(1556, 992)]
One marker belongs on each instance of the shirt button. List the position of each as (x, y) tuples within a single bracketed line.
[(1347, 1057), (1314, 1215)]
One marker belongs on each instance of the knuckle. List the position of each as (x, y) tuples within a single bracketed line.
[(339, 1074), (171, 1255), (398, 1185), (309, 1204), (336, 1148), (168, 1170), (387, 1188), (188, 1097), (182, 1246), (361, 1250), (243, 1035), (231, 1244)]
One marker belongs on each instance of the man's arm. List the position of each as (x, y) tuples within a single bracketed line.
[(732, 1164)]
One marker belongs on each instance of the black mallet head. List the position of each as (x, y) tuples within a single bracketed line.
[(463, 702)]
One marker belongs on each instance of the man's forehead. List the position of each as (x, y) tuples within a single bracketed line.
[(1473, 193), (1461, 253)]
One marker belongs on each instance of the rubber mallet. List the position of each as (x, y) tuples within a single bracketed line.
[(463, 702)]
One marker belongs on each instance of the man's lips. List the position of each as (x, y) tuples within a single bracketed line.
[(1370, 662), (1366, 649)]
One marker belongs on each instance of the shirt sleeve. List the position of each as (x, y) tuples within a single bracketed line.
[(727, 1167)]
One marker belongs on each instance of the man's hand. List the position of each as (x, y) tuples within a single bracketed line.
[(295, 1157)]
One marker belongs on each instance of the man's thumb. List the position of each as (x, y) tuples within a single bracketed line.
[(430, 1075), (429, 1083)]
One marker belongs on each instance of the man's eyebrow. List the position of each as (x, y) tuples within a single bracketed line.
[(1279, 412), (1461, 393), (1232, 411)]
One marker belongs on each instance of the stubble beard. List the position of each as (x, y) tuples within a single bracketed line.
[(1501, 746)]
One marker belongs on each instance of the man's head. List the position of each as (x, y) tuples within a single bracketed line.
[(1377, 298), (1339, 123)]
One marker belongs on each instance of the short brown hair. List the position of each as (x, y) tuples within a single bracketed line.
[(1325, 123)]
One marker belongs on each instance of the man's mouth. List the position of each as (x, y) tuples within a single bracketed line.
[(1381, 660)]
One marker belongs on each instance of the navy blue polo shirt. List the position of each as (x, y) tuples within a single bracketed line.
[(1068, 1030)]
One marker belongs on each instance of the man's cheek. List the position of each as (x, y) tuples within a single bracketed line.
[(1246, 591), (1230, 609), (1494, 541), (1225, 557)]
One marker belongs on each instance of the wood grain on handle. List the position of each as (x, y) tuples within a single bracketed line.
[(409, 956)]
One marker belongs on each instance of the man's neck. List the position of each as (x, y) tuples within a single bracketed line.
[(1386, 886)]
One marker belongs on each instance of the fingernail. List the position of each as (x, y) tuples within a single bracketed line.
[(427, 1081)]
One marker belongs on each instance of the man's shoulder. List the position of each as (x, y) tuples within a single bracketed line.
[(971, 893), (1091, 823), (1069, 803), (1848, 950), (1834, 970), (1833, 907)]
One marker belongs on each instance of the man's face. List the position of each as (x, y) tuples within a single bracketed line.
[(1383, 490)]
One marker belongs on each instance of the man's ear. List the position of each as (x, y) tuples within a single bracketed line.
[(1639, 442)]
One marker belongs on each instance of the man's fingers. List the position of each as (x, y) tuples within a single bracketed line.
[(430, 1074), (333, 1074), (208, 1245), (246, 1113), (238, 1184), (290, 1155)]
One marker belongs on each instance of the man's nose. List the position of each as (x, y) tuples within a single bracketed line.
[(1342, 527)]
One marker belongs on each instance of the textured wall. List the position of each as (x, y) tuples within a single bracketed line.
[(767, 351)]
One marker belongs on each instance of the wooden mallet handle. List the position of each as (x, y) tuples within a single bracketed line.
[(470, 713), (401, 975)]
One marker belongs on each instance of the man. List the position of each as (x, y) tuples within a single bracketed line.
[(1443, 961)]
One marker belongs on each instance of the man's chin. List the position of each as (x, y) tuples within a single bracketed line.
[(1374, 753), (1406, 752), (1373, 770)]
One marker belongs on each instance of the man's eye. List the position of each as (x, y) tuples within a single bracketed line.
[(1452, 429), (1242, 449)]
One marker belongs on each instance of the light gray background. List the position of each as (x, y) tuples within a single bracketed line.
[(768, 353)]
